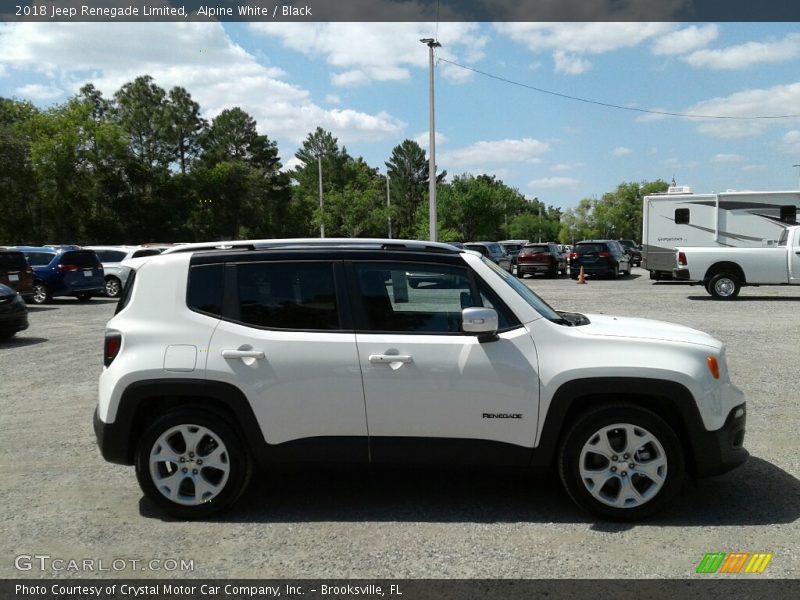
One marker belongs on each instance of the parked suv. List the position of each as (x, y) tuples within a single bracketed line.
[(541, 258), (493, 251), (64, 271), (116, 274), (599, 257), (633, 251), (319, 351), (16, 273)]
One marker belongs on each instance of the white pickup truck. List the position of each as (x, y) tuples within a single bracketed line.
[(723, 271)]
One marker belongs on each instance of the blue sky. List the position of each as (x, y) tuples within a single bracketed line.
[(367, 83)]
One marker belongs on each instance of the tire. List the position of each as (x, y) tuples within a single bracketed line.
[(113, 287), (41, 295), (553, 272), (614, 274), (724, 286), (172, 434), (591, 462)]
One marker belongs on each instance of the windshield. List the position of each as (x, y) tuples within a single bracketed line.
[(539, 305)]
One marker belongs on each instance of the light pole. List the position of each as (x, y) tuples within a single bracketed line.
[(389, 205), (431, 43), (321, 207)]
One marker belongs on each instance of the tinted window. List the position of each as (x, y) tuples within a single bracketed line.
[(288, 296), (496, 250), (83, 259), (146, 252), (477, 247), (12, 261), (38, 259), (414, 298), (590, 248), (537, 249), (205, 289), (126, 292), (110, 255), (681, 216), (789, 214)]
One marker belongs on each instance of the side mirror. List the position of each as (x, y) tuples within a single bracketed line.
[(481, 322)]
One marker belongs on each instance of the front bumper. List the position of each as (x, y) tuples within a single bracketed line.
[(719, 451)]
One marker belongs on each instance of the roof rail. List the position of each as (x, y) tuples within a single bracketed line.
[(352, 243)]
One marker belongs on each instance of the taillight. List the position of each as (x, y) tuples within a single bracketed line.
[(573, 255), (113, 342), (28, 270), (682, 259), (603, 254), (98, 267), (67, 268)]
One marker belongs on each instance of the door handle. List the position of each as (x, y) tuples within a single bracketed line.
[(242, 354), (385, 359)]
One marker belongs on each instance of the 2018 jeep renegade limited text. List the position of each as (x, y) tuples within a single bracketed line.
[(298, 351)]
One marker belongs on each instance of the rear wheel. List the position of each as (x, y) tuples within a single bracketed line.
[(724, 286), (113, 287), (621, 462), (553, 272), (40, 293), (192, 464)]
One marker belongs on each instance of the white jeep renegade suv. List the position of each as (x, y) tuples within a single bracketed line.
[(321, 351)]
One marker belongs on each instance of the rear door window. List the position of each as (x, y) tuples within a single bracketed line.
[(298, 296), (109, 256), (204, 292), (146, 252), (39, 259)]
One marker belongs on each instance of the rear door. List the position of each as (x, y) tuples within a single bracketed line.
[(287, 342), (793, 248), (434, 394), (81, 271)]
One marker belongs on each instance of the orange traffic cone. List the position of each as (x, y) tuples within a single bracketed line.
[(581, 276)]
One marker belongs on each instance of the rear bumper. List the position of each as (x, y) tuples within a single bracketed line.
[(681, 274), (534, 268), (719, 451), (112, 440)]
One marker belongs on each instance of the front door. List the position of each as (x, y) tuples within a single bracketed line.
[(434, 394)]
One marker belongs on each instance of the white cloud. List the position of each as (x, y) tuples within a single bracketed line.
[(526, 150), (748, 54), (36, 91), (198, 56), (552, 183), (722, 159), (790, 143), (570, 64), (774, 101), (423, 138), (621, 151), (333, 99), (561, 167), (754, 168), (361, 53), (652, 117), (581, 38), (685, 40), (569, 42)]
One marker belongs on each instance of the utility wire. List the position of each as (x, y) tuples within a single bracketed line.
[(608, 104)]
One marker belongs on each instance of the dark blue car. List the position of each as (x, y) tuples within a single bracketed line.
[(64, 271), (13, 312)]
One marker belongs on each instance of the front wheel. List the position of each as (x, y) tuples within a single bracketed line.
[(621, 462), (192, 464), (723, 286)]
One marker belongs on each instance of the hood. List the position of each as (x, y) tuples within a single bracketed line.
[(646, 329)]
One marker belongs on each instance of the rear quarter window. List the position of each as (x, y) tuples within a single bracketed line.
[(39, 259), (204, 293)]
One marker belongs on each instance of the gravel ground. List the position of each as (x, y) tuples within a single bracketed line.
[(61, 499)]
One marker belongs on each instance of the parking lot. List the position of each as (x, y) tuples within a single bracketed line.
[(61, 499)]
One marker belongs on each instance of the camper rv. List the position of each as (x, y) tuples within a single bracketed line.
[(731, 219)]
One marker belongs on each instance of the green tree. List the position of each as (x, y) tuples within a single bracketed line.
[(407, 169), (17, 183)]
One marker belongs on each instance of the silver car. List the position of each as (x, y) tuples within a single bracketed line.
[(115, 273)]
